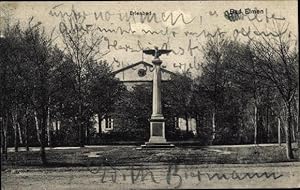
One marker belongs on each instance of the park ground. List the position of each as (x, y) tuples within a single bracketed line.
[(126, 167)]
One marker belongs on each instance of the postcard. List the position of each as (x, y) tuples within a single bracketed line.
[(149, 94)]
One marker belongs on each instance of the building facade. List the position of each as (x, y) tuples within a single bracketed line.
[(141, 73)]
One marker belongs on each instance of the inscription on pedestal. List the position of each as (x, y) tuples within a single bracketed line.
[(157, 129)]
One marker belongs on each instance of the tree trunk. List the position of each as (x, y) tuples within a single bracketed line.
[(255, 123), (213, 125), (279, 132), (267, 116), (57, 125), (48, 128), (293, 131), (87, 137), (81, 131), (176, 122), (106, 122), (4, 136), (99, 124), (268, 125), (26, 135), (297, 124), (14, 124), (197, 124), (296, 105), (43, 136), (187, 123), (289, 151), (37, 126), (19, 133), (16, 142)]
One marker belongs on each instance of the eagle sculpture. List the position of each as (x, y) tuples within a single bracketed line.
[(156, 52)]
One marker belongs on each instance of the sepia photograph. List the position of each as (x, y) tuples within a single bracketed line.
[(102, 95)]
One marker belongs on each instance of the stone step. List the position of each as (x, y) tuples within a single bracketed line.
[(156, 145)]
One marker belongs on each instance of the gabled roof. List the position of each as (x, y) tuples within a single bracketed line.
[(138, 63)]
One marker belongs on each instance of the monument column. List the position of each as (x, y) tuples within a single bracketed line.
[(157, 121), (156, 90)]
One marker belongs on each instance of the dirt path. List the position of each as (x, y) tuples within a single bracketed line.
[(155, 177)]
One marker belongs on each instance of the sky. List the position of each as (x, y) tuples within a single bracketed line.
[(182, 26)]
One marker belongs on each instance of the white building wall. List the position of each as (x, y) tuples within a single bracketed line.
[(191, 122), (103, 124)]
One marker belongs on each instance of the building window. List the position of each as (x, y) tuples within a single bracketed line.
[(109, 123)]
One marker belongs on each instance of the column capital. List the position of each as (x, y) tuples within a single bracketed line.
[(156, 61)]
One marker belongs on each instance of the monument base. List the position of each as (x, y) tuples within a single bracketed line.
[(157, 145), (157, 134), (156, 140)]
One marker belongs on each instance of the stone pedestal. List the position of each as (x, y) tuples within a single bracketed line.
[(157, 130)]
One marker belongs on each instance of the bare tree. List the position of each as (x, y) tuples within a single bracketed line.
[(5, 19), (277, 59), (39, 52), (81, 46), (214, 78), (244, 67)]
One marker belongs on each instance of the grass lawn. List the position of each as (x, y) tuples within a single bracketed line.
[(129, 155)]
